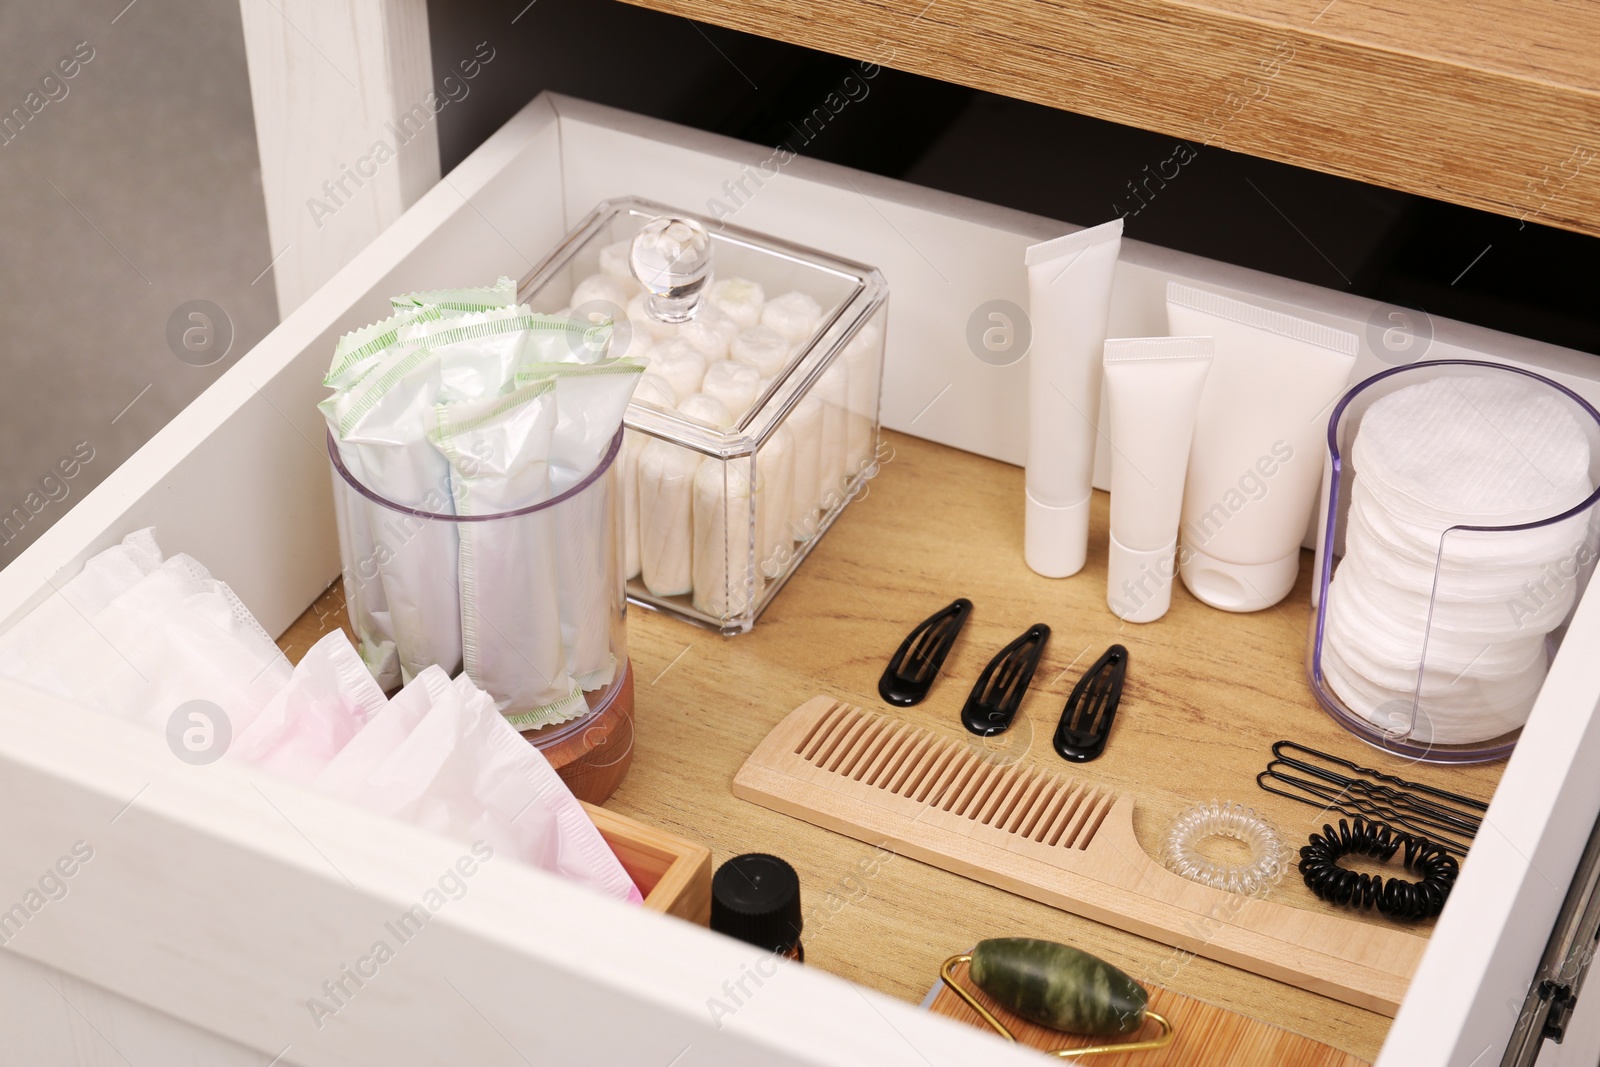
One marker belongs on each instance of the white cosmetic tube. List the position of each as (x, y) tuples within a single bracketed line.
[(1257, 458), (1069, 297), (1153, 387)]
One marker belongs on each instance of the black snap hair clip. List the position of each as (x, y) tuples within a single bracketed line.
[(1086, 720), (1004, 682), (915, 664)]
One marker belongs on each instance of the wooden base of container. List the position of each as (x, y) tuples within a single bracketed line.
[(593, 758)]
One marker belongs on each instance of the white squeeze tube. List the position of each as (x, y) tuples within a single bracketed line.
[(1153, 389), (1256, 461), (1069, 297)]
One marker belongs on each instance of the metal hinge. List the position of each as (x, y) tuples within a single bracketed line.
[(1564, 966)]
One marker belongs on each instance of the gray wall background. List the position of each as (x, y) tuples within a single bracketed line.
[(133, 191)]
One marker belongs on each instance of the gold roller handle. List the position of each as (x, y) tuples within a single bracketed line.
[(1161, 1041)]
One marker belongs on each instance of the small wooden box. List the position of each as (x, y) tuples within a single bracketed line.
[(672, 872)]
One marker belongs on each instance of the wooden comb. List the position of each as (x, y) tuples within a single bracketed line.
[(1055, 838)]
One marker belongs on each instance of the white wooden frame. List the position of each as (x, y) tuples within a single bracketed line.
[(240, 480), (329, 80)]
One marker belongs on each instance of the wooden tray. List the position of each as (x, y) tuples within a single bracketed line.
[(672, 872), (1204, 1035)]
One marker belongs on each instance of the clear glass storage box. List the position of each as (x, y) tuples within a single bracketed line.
[(757, 420)]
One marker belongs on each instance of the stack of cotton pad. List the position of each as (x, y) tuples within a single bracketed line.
[(1470, 609)]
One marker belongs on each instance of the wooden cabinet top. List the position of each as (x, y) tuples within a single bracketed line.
[(1491, 104)]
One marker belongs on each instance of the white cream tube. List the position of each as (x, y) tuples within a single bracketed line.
[(1069, 297), (1153, 389), (1257, 457)]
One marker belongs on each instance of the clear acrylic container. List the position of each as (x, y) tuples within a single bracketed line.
[(1489, 621), (721, 516), (531, 603)]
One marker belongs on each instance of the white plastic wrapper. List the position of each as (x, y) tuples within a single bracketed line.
[(361, 533), (738, 298), (666, 517), (723, 515), (681, 364), (503, 293), (775, 496), (136, 637), (653, 389), (763, 348), (614, 265), (735, 384), (463, 771), (863, 366), (805, 422), (380, 426), (590, 404), (794, 314), (327, 701), (498, 450), (711, 332), (438, 756), (381, 734), (833, 389), (481, 353)]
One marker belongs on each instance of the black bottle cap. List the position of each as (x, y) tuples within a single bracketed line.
[(756, 898)]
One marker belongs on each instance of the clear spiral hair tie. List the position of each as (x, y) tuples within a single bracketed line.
[(1224, 819)]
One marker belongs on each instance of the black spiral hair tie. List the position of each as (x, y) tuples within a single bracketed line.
[(1395, 897)]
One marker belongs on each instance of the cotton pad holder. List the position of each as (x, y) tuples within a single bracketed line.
[(1457, 534)]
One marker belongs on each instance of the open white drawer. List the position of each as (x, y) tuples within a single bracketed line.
[(214, 906)]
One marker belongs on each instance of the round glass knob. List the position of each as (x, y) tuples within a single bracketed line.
[(671, 258)]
